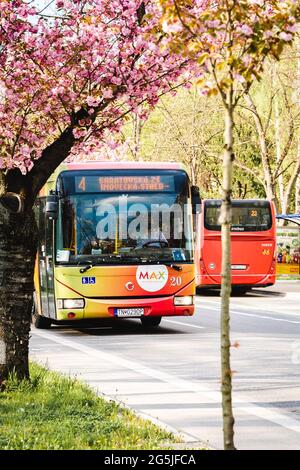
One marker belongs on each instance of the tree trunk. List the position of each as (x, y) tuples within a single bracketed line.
[(137, 132), (2, 183), (292, 184), (269, 184), (18, 243), (297, 196), (278, 151), (18, 237), (228, 420), (297, 100), (193, 170)]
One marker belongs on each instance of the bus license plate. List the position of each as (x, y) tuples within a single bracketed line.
[(239, 267), (129, 312)]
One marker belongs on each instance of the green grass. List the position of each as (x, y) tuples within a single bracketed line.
[(54, 412), (286, 277)]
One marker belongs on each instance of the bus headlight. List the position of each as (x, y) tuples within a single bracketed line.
[(70, 303), (184, 300)]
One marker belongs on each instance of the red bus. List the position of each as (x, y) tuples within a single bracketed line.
[(253, 244)]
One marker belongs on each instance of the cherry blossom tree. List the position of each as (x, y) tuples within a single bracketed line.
[(67, 81), (229, 41)]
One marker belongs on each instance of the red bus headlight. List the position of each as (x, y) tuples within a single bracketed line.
[(184, 300)]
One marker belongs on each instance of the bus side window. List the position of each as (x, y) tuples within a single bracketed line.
[(49, 237), (42, 227), (69, 230)]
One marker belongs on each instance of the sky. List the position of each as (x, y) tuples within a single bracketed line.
[(49, 6)]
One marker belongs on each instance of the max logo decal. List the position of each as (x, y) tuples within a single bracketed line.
[(152, 278)]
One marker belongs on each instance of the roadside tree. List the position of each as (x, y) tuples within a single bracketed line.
[(229, 40), (67, 81)]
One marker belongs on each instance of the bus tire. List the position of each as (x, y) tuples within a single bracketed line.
[(150, 322), (38, 321), (239, 290)]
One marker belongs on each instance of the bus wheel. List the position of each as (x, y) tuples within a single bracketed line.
[(150, 322), (239, 290), (39, 321)]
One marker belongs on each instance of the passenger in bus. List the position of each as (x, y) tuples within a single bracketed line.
[(89, 245), (158, 241), (95, 246), (86, 229)]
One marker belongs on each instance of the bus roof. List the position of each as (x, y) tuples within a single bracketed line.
[(123, 165), (236, 201), (108, 165)]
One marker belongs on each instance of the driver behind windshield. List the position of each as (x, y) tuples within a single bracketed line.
[(158, 241)]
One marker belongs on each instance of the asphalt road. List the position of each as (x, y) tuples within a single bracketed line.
[(172, 374)]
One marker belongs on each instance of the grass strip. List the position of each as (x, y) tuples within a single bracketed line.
[(54, 412)]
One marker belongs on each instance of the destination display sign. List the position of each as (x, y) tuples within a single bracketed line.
[(116, 184)]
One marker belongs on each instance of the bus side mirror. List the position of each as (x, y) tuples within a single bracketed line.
[(196, 199), (51, 209), (12, 202)]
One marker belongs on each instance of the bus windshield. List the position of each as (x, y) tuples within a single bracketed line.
[(247, 216), (123, 217)]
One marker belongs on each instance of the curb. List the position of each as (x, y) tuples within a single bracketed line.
[(189, 441)]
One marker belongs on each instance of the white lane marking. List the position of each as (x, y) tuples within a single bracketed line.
[(206, 393), (254, 316), (250, 307), (183, 323), (288, 295), (265, 317), (208, 305)]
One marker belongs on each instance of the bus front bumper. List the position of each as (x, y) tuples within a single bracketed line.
[(107, 308)]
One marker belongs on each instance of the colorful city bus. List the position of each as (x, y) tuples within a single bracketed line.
[(253, 244), (115, 241)]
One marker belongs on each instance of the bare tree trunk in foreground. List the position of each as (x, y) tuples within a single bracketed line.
[(228, 419)]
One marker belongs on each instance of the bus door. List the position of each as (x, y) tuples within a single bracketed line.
[(46, 263)]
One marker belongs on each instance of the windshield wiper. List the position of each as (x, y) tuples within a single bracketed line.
[(90, 264), (176, 267), (87, 267), (155, 259), (122, 257)]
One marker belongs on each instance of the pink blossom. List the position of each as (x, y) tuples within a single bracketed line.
[(246, 29), (174, 27), (92, 101), (286, 36), (79, 133), (108, 93), (293, 28), (102, 63)]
